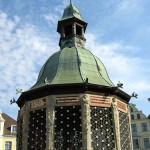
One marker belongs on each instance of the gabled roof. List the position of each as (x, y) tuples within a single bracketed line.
[(7, 124), (136, 111)]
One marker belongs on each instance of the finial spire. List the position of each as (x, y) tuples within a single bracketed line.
[(70, 2)]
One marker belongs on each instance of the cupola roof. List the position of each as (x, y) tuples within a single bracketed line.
[(73, 65), (71, 11)]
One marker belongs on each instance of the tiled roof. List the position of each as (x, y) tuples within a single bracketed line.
[(8, 123)]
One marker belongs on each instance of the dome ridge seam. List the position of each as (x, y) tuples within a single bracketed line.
[(79, 64), (57, 67), (105, 70), (98, 69)]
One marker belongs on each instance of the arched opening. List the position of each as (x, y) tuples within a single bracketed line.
[(138, 116), (68, 30), (132, 117), (78, 30)]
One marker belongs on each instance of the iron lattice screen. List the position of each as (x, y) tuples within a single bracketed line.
[(37, 130), (68, 127), (102, 129), (19, 135), (124, 130)]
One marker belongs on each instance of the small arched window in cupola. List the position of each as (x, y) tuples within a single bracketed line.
[(68, 30)]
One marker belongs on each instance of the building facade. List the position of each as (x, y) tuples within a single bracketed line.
[(73, 105), (7, 132), (140, 129)]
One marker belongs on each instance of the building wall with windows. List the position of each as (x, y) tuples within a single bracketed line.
[(8, 143), (7, 132), (140, 125)]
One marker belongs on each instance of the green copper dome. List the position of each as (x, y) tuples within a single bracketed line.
[(71, 11), (73, 65)]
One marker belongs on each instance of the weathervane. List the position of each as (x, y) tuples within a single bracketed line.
[(70, 1)]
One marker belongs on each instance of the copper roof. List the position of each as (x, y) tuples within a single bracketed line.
[(73, 65)]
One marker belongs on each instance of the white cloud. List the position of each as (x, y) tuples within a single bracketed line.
[(51, 18), (129, 69), (22, 52), (54, 15), (24, 49)]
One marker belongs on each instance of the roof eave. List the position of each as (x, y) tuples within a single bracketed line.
[(70, 89)]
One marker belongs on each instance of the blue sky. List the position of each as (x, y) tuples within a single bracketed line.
[(118, 33)]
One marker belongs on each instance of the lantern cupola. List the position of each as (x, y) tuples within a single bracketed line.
[(71, 28)]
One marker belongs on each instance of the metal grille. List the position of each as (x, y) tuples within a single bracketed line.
[(102, 129), (124, 131), (19, 135), (37, 130), (68, 134)]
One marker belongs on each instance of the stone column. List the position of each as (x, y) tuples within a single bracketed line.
[(86, 128), (18, 129), (62, 32), (82, 32), (74, 29), (50, 118), (25, 124), (116, 123)]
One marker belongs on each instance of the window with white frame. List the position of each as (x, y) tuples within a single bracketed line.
[(13, 128), (8, 145), (144, 126), (146, 143), (135, 143)]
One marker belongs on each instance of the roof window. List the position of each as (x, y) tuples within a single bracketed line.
[(13, 128)]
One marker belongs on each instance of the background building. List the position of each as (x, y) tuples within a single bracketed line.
[(140, 129), (7, 132)]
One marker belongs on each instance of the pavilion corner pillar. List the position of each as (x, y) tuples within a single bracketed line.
[(129, 116), (25, 124), (86, 128), (116, 123), (50, 117)]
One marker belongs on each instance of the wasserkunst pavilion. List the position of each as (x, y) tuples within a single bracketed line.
[(73, 105)]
